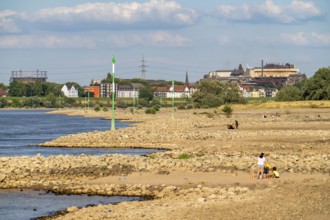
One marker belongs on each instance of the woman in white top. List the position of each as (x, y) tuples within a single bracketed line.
[(260, 164)]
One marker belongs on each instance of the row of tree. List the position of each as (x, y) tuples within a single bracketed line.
[(211, 93), (315, 88)]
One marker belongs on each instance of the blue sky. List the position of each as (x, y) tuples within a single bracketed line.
[(75, 40)]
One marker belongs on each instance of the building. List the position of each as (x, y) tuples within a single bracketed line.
[(273, 71), (160, 91), (95, 88), (231, 75), (28, 76), (179, 91), (219, 74), (271, 92), (106, 89), (70, 91), (250, 90), (129, 91)]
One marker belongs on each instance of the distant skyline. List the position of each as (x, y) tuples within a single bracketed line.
[(75, 40)]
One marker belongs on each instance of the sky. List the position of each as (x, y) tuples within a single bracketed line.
[(75, 40)]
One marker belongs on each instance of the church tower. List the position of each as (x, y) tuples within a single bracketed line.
[(187, 81)]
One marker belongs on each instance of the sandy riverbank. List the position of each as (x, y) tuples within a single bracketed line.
[(213, 183)]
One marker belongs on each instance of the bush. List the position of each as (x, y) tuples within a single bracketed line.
[(33, 102), (190, 106), (3, 102), (289, 93), (132, 110), (155, 102), (97, 108), (105, 109), (181, 107), (16, 103), (155, 107), (48, 104), (121, 103), (69, 101), (150, 111), (143, 103), (227, 110)]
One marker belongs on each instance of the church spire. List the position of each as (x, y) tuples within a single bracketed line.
[(187, 81)]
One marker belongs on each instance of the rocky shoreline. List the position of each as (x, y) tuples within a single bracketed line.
[(215, 164)]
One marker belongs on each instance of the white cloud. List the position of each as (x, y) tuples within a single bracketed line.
[(304, 10), (7, 22), (159, 39), (299, 38), (297, 11), (166, 39), (321, 39), (45, 41), (151, 14), (306, 39)]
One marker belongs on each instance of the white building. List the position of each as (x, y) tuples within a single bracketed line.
[(70, 92), (129, 91), (180, 91)]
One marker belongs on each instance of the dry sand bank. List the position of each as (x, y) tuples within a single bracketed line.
[(213, 183)]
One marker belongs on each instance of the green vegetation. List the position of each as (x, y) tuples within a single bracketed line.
[(2, 86), (146, 93), (210, 94), (120, 103), (183, 156), (289, 93), (213, 93), (97, 108), (3, 102), (227, 110), (150, 111), (315, 88), (318, 86)]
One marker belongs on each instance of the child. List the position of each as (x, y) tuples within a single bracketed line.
[(267, 169), (275, 173)]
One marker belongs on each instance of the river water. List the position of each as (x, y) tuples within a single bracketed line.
[(23, 130), (29, 204)]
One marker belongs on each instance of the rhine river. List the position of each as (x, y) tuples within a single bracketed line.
[(20, 134), (23, 130)]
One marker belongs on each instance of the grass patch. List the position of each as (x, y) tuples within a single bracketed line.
[(281, 105), (183, 156)]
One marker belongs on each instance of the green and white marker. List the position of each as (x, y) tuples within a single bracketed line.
[(113, 126)]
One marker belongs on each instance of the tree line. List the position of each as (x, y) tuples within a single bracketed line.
[(315, 88), (210, 93)]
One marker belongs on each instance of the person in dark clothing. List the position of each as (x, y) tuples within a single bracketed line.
[(233, 126), (230, 127), (236, 124)]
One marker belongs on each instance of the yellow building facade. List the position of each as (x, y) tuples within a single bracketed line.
[(272, 72)]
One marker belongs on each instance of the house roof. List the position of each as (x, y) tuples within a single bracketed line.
[(125, 87), (136, 85), (160, 89), (179, 88)]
